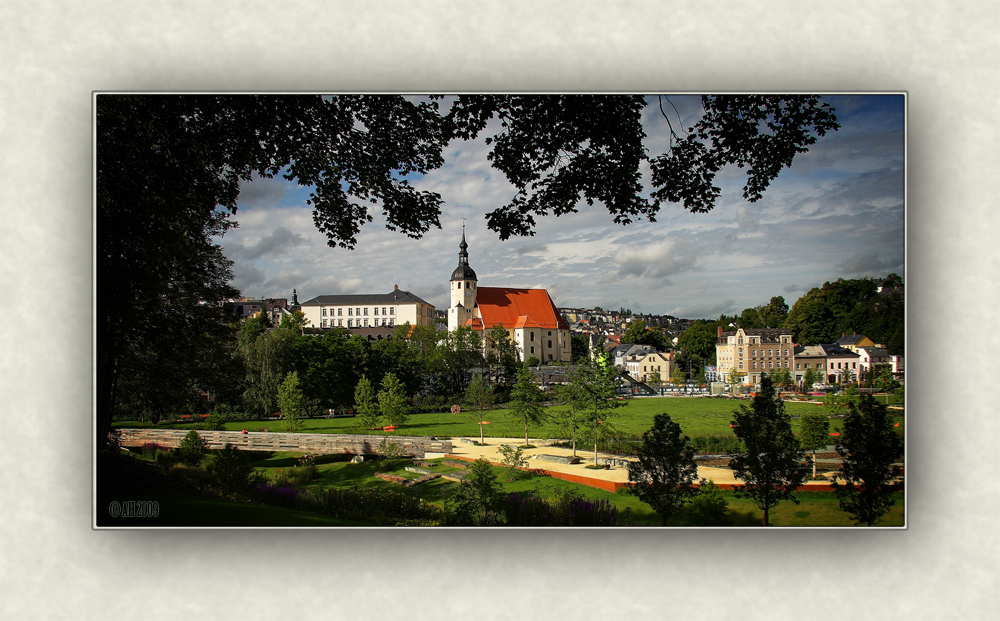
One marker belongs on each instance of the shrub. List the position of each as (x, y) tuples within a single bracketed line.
[(277, 495), (708, 508), (232, 472), (513, 458), (192, 448), (527, 509), (215, 423), (376, 505), (717, 444)]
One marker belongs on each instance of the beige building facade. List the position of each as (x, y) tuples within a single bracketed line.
[(368, 310), (752, 352)]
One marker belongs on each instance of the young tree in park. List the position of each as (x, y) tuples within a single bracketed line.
[(734, 378), (477, 502), (526, 402), (365, 406), (481, 397), (808, 379), (665, 472), (593, 387), (569, 416), (781, 377), (165, 164), (392, 400), (814, 434), (870, 447), (291, 402), (771, 467), (678, 376)]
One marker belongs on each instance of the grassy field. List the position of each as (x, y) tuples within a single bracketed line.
[(696, 416)]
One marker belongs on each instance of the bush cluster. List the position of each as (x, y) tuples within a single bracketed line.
[(569, 508), (377, 505)]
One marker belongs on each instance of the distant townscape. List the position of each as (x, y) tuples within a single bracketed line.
[(798, 346)]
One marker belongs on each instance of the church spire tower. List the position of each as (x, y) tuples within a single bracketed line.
[(463, 288)]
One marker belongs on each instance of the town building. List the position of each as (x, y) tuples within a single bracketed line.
[(656, 367), (752, 352), (530, 317), (368, 310)]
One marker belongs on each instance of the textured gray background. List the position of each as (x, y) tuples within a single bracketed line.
[(54, 54)]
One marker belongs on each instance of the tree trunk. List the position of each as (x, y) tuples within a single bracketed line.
[(814, 463), (481, 441), (595, 453), (525, 435), (765, 517)]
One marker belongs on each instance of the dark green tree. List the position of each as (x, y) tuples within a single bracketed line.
[(665, 473), (699, 340), (502, 360), (871, 448), (814, 434), (579, 346), (365, 405), (771, 467), (291, 401), (392, 400), (477, 502), (526, 402)]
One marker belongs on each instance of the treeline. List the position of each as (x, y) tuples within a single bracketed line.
[(823, 315), (241, 372)]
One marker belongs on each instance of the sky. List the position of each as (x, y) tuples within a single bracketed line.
[(838, 212)]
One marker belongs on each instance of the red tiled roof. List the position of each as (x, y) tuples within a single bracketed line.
[(517, 308)]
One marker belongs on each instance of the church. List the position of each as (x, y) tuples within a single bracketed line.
[(529, 315)]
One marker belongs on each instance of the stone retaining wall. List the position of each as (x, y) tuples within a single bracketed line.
[(318, 443)]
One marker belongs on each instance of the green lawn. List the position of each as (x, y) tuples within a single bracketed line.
[(696, 416)]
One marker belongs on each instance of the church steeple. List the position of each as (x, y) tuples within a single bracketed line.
[(463, 288), (463, 271), (295, 297)]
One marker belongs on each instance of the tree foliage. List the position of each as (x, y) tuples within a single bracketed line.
[(663, 477), (477, 502), (365, 405), (870, 447), (771, 467), (814, 434), (392, 400), (851, 306), (291, 401), (526, 401), (593, 391), (481, 397)]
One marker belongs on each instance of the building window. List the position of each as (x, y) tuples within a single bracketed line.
[(532, 336), (741, 364), (383, 310), (324, 323), (350, 322), (797, 366), (366, 322), (753, 365), (532, 350), (366, 312), (770, 352), (340, 322), (550, 333), (459, 285), (340, 312), (770, 364), (350, 313), (357, 311), (392, 311), (550, 344), (324, 312), (376, 311), (741, 353)]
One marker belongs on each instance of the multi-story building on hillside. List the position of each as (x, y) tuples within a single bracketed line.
[(368, 310), (752, 352), (652, 367), (529, 315)]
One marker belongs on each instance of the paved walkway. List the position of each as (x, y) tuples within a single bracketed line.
[(616, 474)]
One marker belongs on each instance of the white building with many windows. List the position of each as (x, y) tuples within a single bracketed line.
[(368, 310)]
